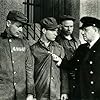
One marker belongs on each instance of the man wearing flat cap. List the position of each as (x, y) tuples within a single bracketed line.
[(48, 56), (87, 59), (70, 43), (16, 66)]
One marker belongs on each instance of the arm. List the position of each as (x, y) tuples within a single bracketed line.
[(64, 85), (30, 75), (64, 96), (59, 58), (64, 79)]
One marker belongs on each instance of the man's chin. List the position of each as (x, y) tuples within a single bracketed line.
[(19, 36), (67, 33), (53, 40)]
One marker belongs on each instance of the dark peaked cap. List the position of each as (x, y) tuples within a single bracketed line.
[(66, 17), (15, 15), (89, 21), (49, 23)]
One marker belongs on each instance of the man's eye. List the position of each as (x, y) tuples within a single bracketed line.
[(19, 26)]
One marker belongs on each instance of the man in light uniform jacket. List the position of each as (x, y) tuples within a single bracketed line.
[(16, 66)]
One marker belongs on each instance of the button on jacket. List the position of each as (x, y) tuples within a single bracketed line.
[(47, 73), (15, 66), (88, 60)]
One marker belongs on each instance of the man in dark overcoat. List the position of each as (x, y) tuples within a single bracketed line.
[(87, 59)]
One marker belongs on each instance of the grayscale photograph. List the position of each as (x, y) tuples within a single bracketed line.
[(49, 49)]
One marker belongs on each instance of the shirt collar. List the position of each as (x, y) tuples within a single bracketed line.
[(6, 34), (68, 37), (52, 43), (43, 43)]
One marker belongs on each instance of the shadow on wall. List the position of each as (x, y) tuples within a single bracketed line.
[(5, 7), (33, 33)]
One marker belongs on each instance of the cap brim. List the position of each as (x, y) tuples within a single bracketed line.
[(52, 28), (24, 23), (65, 17), (85, 25)]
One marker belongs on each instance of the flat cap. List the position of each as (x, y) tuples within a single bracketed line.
[(15, 15), (66, 17), (49, 23), (89, 21)]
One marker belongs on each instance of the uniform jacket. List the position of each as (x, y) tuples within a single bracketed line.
[(16, 69), (88, 61), (47, 74)]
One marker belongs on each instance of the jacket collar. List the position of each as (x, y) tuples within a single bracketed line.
[(97, 43), (6, 34)]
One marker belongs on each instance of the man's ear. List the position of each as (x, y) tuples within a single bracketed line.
[(8, 23), (96, 29), (44, 30)]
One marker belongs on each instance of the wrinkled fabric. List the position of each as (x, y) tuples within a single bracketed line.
[(16, 68), (69, 45), (47, 74)]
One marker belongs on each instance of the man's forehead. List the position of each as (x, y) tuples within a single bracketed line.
[(18, 23), (67, 22), (56, 29)]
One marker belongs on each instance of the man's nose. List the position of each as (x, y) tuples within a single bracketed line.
[(56, 33), (69, 28), (21, 29)]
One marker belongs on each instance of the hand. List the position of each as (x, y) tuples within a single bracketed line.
[(30, 97), (64, 96), (57, 59)]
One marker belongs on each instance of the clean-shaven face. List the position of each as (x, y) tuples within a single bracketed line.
[(88, 33), (51, 34), (16, 29)]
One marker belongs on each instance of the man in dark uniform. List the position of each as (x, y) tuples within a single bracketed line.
[(70, 43), (87, 59), (48, 56), (16, 66)]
